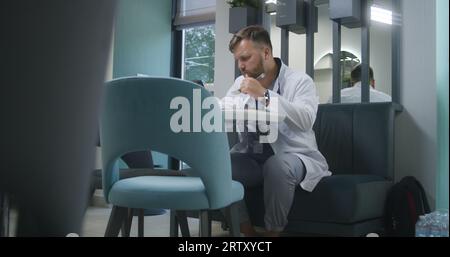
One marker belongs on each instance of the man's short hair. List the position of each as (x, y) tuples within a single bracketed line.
[(255, 33), (356, 73)]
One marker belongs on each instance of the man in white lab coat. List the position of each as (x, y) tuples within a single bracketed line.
[(293, 159)]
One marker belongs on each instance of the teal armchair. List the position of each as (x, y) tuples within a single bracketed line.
[(136, 116)]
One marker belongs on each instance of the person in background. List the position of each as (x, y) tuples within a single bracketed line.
[(353, 93)]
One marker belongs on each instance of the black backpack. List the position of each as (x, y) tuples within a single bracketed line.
[(405, 202)]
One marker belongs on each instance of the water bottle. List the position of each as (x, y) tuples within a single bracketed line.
[(443, 218), (435, 227), (445, 230), (422, 227), (439, 227)]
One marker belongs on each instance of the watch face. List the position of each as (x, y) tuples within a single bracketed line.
[(267, 97)]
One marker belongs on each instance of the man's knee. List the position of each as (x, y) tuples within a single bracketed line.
[(281, 166)]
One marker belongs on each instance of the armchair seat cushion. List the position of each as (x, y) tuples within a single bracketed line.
[(129, 173), (167, 192), (343, 199)]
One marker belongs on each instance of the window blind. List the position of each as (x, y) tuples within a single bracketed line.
[(195, 12)]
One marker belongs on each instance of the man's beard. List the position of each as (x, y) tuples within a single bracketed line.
[(258, 70)]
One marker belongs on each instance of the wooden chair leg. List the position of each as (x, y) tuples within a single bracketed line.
[(117, 217), (232, 216), (126, 226), (173, 224), (141, 223), (224, 225), (182, 220), (205, 224)]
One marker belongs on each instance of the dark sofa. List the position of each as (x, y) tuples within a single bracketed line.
[(358, 142)]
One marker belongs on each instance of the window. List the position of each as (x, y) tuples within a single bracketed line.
[(198, 56), (198, 53), (195, 18)]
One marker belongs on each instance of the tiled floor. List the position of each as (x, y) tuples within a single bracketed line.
[(98, 213), (97, 216), (96, 220)]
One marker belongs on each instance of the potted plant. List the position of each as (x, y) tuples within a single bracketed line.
[(242, 14), (243, 3)]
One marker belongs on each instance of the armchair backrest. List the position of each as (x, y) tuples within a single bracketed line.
[(137, 116), (357, 138)]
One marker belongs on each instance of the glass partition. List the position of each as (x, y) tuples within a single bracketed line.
[(380, 49)]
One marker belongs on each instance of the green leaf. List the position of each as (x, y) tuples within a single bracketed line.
[(244, 3)]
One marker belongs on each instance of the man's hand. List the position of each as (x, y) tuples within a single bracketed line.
[(252, 87)]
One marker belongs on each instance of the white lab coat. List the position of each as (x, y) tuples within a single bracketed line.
[(298, 102)]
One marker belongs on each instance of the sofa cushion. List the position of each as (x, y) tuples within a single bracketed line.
[(342, 199), (357, 138)]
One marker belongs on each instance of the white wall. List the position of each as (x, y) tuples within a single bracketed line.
[(416, 126)]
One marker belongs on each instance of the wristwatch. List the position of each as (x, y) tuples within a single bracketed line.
[(267, 97)]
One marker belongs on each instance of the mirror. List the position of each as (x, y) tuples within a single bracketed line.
[(323, 71), (380, 50)]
